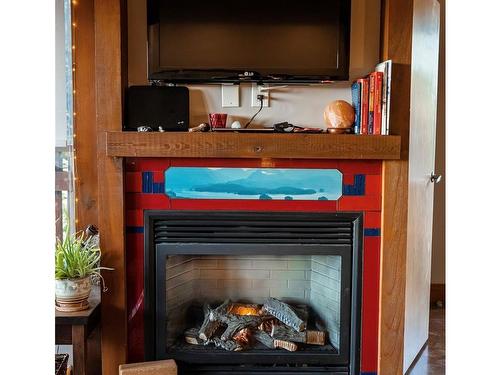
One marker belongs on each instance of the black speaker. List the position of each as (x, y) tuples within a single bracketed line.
[(155, 106)]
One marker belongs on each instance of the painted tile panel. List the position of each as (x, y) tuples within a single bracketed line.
[(357, 187), (253, 183), (360, 203), (146, 201), (372, 219), (369, 316), (373, 185), (134, 218), (252, 205), (133, 182)]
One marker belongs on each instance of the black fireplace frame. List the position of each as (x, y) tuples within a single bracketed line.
[(155, 255)]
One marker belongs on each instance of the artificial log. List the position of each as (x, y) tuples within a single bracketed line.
[(302, 312), (234, 326), (264, 338), (243, 337), (209, 326), (221, 309), (287, 345), (236, 323), (315, 337), (284, 313), (282, 332), (229, 345), (267, 325), (192, 336)]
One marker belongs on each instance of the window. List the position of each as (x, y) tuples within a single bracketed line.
[(64, 184)]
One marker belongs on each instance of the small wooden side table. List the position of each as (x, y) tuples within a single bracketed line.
[(82, 330)]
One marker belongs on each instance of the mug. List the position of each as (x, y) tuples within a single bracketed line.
[(217, 120)]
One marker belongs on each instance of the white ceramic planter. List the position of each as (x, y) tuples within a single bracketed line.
[(73, 293)]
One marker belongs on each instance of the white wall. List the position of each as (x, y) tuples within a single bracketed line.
[(300, 105)]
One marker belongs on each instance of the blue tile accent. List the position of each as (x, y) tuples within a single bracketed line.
[(158, 187), (147, 182), (358, 188), (372, 232), (144, 182), (135, 229), (150, 187)]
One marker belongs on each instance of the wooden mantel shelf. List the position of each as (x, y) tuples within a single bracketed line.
[(254, 145)]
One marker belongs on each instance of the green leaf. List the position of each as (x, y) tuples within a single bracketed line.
[(76, 256)]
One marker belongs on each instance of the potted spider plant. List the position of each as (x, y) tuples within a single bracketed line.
[(77, 264)]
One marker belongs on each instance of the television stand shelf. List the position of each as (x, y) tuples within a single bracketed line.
[(239, 145)]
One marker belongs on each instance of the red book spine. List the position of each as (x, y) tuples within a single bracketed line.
[(377, 103), (371, 108), (365, 82)]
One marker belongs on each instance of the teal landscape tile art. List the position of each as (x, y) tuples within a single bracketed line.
[(253, 183)]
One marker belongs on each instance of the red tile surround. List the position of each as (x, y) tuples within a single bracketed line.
[(369, 203)]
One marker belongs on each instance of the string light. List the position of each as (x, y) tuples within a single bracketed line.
[(74, 151)]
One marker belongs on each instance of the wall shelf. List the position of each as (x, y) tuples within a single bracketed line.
[(239, 145)]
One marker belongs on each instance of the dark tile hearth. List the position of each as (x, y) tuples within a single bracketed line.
[(432, 359)]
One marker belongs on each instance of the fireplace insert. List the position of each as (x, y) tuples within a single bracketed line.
[(253, 292)]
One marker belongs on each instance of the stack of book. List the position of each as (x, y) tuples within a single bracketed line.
[(371, 99)]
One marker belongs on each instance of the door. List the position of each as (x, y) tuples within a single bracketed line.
[(423, 107)]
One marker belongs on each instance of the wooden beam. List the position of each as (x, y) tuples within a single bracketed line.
[(393, 267), (84, 121), (397, 17), (238, 145), (110, 75)]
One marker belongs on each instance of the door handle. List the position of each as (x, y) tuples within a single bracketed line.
[(435, 178)]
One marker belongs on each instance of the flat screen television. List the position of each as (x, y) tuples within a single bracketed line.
[(231, 41)]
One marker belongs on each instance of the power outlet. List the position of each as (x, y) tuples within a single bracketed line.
[(256, 90)]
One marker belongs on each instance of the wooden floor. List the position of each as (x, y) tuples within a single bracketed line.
[(432, 359)]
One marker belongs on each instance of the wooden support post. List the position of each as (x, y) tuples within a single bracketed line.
[(397, 16), (79, 341), (110, 76)]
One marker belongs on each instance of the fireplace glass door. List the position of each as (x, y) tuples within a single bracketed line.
[(249, 294)]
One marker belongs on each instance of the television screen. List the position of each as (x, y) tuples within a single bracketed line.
[(275, 39)]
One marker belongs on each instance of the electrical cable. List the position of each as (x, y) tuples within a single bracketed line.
[(261, 99)]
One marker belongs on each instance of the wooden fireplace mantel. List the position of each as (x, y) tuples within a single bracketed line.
[(239, 145)]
